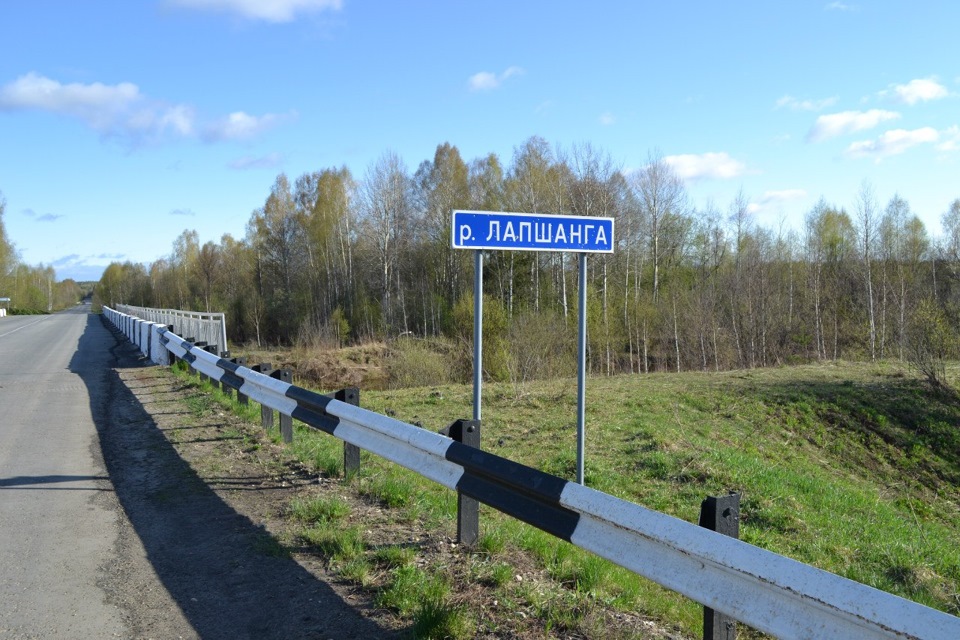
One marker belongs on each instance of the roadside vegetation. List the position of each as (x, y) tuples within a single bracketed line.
[(32, 290), (854, 468), (331, 259)]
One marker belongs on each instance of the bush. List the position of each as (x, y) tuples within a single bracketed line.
[(930, 342), (495, 348), (412, 363), (331, 334), (541, 346)]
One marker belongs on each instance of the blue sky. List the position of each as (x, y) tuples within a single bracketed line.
[(122, 123)]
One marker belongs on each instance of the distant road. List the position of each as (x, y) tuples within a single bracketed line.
[(59, 519)]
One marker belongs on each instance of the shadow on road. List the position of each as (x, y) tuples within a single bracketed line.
[(224, 572), (31, 482)]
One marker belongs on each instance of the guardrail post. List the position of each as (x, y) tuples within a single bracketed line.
[(266, 413), (468, 509), (351, 452), (226, 356), (286, 422), (242, 361), (203, 345), (720, 514), (211, 348), (173, 358)]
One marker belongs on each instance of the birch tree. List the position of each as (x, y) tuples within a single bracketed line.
[(867, 222), (663, 201)]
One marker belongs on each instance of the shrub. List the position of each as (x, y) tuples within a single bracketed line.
[(541, 346), (412, 363), (930, 342)]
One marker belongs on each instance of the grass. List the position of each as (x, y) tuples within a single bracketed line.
[(319, 509), (854, 468)]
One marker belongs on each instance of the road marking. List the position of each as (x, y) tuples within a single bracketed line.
[(23, 327)]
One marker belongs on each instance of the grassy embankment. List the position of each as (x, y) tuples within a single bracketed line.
[(853, 468)]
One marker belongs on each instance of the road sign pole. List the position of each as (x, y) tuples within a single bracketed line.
[(503, 231), (582, 367), (477, 331)]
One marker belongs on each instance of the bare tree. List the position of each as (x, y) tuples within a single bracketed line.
[(663, 201), (867, 222), (387, 224)]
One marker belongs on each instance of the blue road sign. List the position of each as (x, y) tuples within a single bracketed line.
[(531, 232)]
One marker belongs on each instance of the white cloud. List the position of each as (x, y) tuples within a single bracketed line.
[(112, 110), (487, 81), (781, 195), (84, 268), (121, 111), (795, 104), (840, 6), (182, 212), (705, 165), (919, 90), (775, 197), (269, 161), (97, 104), (546, 105), (892, 143), (33, 91), (483, 81), (951, 139), (240, 126), (607, 119), (268, 10), (837, 124)]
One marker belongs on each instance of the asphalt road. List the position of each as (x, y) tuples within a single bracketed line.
[(58, 515), (107, 532)]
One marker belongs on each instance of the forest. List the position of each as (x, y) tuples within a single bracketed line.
[(332, 259)]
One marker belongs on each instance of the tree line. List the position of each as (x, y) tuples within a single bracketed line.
[(31, 289), (335, 259)]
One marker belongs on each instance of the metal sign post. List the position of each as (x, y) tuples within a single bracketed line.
[(582, 367), (480, 230), (477, 331)]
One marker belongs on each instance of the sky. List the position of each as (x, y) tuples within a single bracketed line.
[(124, 123)]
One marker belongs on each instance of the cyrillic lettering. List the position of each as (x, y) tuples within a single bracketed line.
[(495, 236), (528, 226), (508, 233), (542, 232), (602, 236), (586, 233)]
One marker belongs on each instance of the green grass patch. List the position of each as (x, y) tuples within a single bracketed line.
[(319, 509), (853, 468), (391, 487), (394, 556), (409, 587), (339, 544), (440, 621)]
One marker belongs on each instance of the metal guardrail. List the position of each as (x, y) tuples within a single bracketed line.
[(209, 328), (767, 591)]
